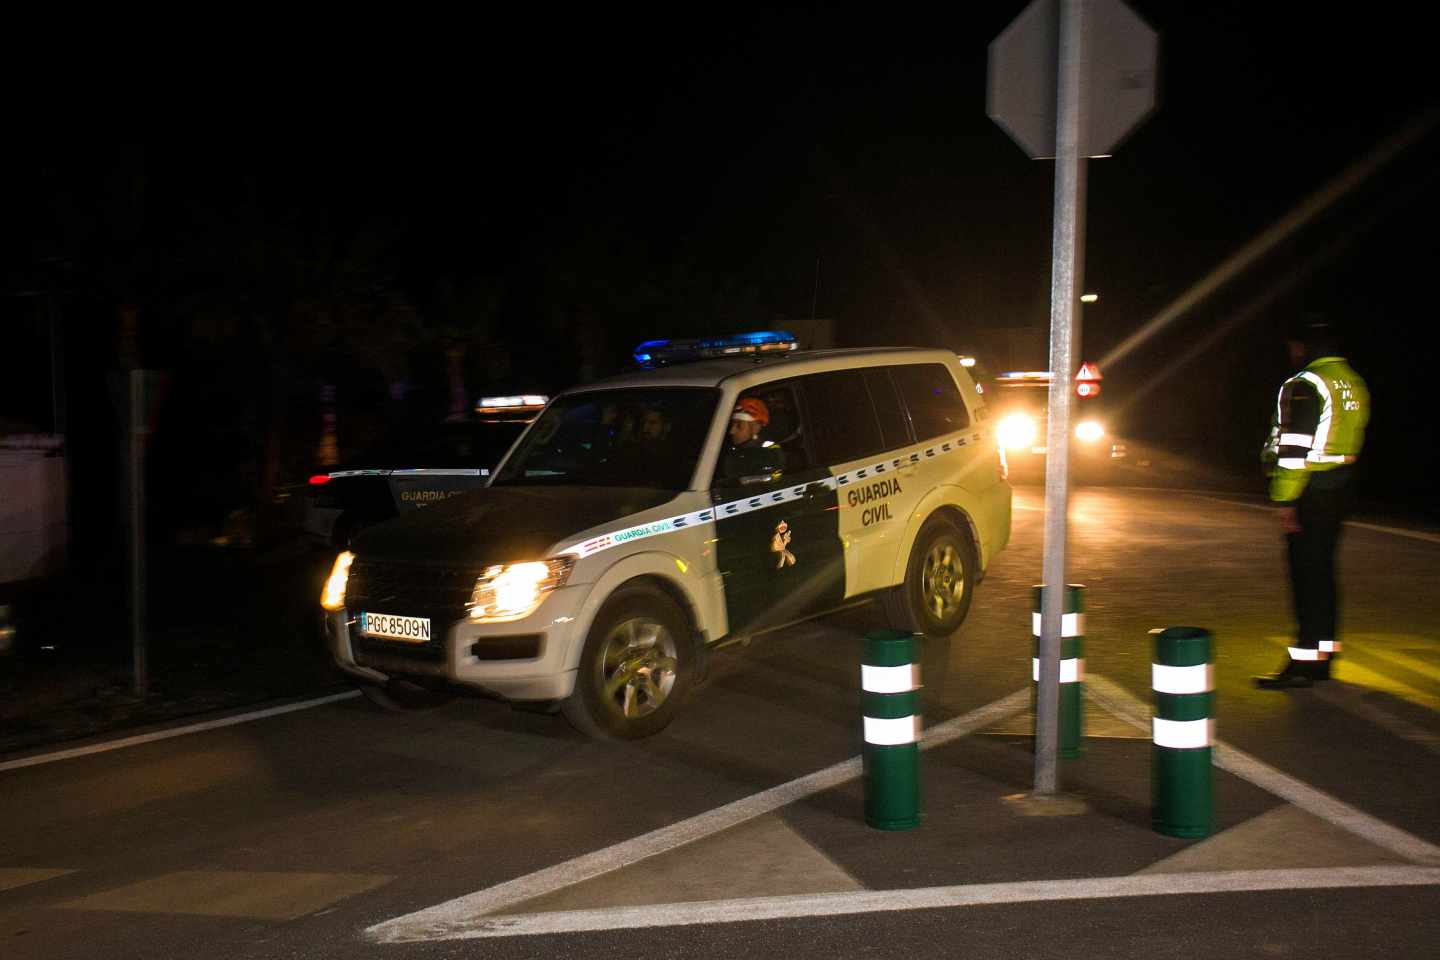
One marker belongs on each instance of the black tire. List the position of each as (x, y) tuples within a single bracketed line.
[(637, 666), (939, 582), (397, 696)]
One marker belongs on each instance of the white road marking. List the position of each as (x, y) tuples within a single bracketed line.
[(1378, 528), (176, 732), (438, 921), (931, 898), (477, 914), (1119, 702), (1413, 534)]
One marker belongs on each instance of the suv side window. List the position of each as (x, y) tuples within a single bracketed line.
[(783, 440), (784, 427), (843, 425), (929, 390)]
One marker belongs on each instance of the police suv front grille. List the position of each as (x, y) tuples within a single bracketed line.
[(437, 593)]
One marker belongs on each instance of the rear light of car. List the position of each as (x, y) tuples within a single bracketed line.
[(319, 478)]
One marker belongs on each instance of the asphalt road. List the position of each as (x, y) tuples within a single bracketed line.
[(294, 835)]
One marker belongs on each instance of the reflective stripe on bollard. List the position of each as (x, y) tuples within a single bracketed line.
[(890, 698), (1182, 675), (1072, 665)]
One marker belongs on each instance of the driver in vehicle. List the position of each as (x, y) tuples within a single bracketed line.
[(748, 455)]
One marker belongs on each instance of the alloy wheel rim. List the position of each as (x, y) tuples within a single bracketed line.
[(638, 666), (942, 583)]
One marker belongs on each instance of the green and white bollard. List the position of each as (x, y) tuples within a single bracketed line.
[(1072, 665), (890, 697), (1183, 676)]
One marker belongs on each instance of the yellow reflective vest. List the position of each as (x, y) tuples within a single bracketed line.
[(1319, 425)]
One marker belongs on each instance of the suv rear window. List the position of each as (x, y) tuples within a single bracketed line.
[(929, 390)]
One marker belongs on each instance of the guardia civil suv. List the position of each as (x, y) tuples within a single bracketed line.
[(729, 487)]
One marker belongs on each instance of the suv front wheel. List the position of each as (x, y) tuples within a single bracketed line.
[(939, 580), (636, 666)]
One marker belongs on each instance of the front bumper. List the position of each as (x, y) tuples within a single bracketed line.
[(464, 654)]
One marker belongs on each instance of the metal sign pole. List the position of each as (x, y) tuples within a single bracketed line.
[(1065, 275)]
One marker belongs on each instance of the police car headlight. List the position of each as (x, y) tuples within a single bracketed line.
[(333, 596), (513, 590), (1089, 431), (1016, 430)]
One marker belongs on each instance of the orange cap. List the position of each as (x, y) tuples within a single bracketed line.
[(752, 409)]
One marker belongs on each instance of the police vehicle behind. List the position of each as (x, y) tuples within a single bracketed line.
[(415, 470), (730, 487)]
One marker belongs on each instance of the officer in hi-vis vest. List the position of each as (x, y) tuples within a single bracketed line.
[(1315, 440)]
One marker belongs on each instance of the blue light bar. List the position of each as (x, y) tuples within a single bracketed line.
[(655, 353)]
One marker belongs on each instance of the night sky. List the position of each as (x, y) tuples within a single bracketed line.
[(605, 177)]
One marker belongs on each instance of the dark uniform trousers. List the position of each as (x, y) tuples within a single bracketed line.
[(1320, 511)]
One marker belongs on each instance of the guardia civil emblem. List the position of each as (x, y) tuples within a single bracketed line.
[(780, 546)]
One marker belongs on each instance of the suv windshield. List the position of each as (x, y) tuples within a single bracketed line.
[(615, 438)]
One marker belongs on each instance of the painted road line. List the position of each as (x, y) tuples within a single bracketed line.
[(1378, 528), (135, 741), (932, 898), (1118, 700), (463, 912), (1398, 531)]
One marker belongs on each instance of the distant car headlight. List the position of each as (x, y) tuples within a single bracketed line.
[(333, 596), (511, 591), (1016, 430), (1089, 431)]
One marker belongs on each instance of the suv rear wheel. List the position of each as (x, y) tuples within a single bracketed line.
[(939, 580), (637, 664)]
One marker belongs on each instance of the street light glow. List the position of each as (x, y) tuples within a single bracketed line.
[(1089, 297)]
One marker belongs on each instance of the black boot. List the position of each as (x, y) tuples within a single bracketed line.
[(1293, 675)]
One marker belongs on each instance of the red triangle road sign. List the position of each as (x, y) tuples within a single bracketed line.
[(1088, 371)]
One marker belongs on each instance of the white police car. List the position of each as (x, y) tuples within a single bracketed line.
[(415, 468), (636, 525)]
